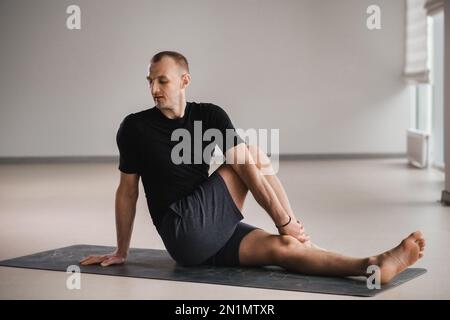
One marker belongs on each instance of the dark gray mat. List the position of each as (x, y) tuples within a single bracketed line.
[(157, 264)]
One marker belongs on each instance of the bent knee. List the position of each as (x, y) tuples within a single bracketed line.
[(285, 245), (287, 241), (260, 157)]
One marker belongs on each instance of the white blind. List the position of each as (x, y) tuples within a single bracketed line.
[(434, 6), (416, 68)]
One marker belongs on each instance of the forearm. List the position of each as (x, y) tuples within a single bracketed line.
[(281, 193), (265, 195), (125, 213), (243, 164)]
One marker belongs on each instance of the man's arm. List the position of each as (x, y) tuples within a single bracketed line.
[(125, 206), (126, 197), (242, 162)]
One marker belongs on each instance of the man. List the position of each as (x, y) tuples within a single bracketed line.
[(198, 216)]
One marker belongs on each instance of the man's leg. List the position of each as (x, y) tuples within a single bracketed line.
[(262, 248), (238, 188), (238, 181), (263, 162), (259, 248)]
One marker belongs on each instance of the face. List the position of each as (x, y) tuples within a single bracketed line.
[(167, 82)]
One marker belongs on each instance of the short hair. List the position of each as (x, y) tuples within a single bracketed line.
[(178, 57)]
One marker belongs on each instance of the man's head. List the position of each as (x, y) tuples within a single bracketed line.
[(168, 76)]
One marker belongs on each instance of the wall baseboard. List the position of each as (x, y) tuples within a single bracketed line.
[(97, 159), (58, 159), (445, 199), (341, 156)]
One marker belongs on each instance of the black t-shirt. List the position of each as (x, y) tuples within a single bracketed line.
[(145, 146)]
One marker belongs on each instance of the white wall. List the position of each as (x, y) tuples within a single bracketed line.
[(437, 119), (310, 68), (447, 95)]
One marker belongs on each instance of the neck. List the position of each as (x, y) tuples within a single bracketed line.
[(176, 111)]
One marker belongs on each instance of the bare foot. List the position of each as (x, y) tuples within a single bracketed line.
[(396, 260), (315, 246)]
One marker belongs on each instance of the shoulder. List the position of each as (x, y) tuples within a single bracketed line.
[(133, 118), (208, 109), (139, 115), (130, 118), (130, 124), (127, 125)]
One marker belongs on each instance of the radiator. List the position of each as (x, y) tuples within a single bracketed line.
[(417, 147)]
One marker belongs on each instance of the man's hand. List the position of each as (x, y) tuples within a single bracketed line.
[(296, 230), (104, 260)]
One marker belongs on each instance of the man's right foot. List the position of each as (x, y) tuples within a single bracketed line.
[(396, 260)]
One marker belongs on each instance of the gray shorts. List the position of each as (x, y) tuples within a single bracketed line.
[(204, 227)]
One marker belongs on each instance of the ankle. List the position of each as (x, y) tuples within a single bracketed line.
[(370, 261)]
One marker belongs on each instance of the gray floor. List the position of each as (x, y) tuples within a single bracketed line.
[(356, 207)]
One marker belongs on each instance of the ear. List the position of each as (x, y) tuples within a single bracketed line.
[(185, 80)]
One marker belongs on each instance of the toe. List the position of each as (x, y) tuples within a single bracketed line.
[(416, 235), (421, 244)]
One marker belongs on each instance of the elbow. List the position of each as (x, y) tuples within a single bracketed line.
[(129, 193)]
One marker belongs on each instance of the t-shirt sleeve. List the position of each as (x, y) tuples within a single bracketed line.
[(221, 121), (127, 143)]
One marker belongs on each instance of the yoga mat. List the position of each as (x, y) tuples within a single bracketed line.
[(157, 264)]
